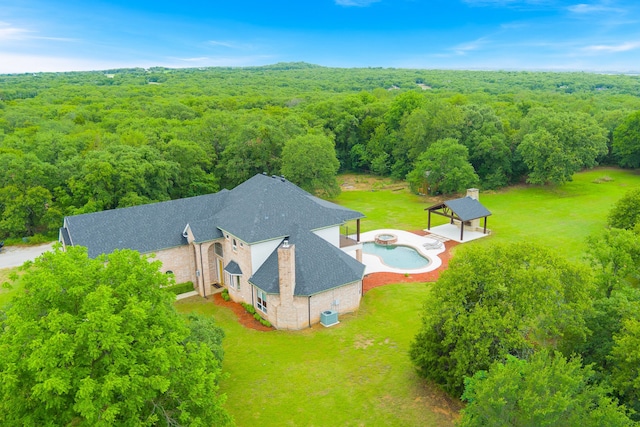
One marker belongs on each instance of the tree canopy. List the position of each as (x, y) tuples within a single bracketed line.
[(546, 390), (97, 342), (310, 162), (626, 211), (626, 141), (497, 301), (85, 141), (443, 169)]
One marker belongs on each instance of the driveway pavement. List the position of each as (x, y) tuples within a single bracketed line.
[(14, 256)]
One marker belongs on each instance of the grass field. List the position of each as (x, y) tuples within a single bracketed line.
[(7, 292), (356, 373), (560, 217)]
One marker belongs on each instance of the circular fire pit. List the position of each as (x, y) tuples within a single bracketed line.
[(386, 239)]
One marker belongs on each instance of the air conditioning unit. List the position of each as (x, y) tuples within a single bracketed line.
[(329, 318)]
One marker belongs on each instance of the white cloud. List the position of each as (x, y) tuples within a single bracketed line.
[(231, 45), (507, 2), (9, 32), (355, 3), (584, 8), (223, 44), (463, 48), (26, 63), (613, 48)]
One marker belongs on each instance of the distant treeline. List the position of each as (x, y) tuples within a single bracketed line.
[(87, 141)]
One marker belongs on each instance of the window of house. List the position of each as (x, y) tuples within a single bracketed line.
[(235, 245), (262, 301), (218, 249), (234, 281)]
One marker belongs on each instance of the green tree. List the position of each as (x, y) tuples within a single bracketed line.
[(555, 145), (27, 213), (625, 357), (495, 301), (97, 342), (614, 255), (626, 211), (626, 141), (546, 390), (310, 162), (444, 168)]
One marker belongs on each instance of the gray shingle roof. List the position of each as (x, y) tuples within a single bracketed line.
[(233, 268), (465, 208), (320, 266), (146, 228), (264, 208), (261, 208)]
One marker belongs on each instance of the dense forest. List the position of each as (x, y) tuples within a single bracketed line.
[(86, 141)]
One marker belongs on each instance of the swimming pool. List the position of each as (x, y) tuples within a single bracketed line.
[(397, 256)]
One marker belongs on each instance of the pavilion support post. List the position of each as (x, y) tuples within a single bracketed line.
[(358, 228), (461, 230), (485, 225), (429, 222)]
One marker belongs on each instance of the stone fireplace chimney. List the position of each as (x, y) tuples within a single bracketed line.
[(474, 193), (286, 272)]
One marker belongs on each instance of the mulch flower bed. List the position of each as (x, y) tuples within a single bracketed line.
[(370, 281), (244, 318)]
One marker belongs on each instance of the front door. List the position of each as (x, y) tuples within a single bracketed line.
[(220, 272)]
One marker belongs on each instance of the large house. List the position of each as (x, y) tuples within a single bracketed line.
[(270, 243)]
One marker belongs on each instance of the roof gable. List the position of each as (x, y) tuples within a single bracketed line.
[(146, 228), (264, 207), (320, 266), (465, 208)]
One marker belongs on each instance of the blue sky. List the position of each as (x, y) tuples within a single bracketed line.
[(54, 35)]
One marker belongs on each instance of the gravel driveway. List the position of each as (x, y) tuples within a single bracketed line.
[(14, 256)]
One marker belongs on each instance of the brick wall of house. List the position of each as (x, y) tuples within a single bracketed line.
[(181, 261), (347, 297), (305, 310), (242, 256)]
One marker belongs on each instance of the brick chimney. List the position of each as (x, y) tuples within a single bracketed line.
[(287, 272)]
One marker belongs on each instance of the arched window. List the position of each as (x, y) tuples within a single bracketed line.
[(217, 247)]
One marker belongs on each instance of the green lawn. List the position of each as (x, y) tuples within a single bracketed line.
[(560, 217), (7, 292), (356, 373)]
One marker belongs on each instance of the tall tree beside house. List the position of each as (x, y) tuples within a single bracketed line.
[(97, 342), (310, 162)]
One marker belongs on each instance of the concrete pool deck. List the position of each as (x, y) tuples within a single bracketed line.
[(452, 232), (374, 264)]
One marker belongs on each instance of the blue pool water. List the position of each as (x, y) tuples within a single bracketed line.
[(397, 256)]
